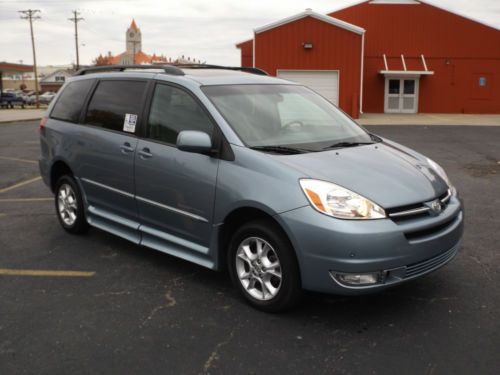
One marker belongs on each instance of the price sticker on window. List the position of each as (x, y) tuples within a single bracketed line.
[(129, 123)]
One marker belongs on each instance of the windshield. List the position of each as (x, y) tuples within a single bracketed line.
[(280, 116)]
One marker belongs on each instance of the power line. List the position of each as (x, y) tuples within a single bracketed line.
[(30, 15), (75, 20)]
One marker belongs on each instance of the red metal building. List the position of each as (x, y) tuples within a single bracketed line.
[(400, 56)]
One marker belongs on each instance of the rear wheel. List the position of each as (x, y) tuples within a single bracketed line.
[(69, 205), (263, 266)]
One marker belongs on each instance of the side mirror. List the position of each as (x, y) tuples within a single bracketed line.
[(194, 141)]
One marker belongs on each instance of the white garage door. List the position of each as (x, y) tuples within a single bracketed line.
[(326, 83)]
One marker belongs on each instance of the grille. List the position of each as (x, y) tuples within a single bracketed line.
[(423, 233), (418, 209), (429, 264)]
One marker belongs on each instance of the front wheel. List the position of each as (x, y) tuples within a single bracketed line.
[(263, 266), (69, 205)]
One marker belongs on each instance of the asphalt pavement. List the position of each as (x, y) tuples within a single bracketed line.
[(97, 304)]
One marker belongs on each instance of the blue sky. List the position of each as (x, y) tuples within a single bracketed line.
[(206, 30)]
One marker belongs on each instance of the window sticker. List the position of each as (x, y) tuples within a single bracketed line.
[(129, 123)]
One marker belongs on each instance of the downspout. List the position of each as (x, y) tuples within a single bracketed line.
[(362, 73), (253, 49)]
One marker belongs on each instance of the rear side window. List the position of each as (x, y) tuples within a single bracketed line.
[(174, 110), (69, 105), (116, 104)]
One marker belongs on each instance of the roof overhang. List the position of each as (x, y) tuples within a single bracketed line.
[(405, 72), (309, 13), (412, 73)]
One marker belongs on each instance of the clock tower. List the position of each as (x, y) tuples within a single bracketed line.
[(134, 39)]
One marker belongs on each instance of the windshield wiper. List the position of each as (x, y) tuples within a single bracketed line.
[(347, 144), (280, 149)]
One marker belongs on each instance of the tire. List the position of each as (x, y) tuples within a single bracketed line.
[(264, 285), (70, 211)]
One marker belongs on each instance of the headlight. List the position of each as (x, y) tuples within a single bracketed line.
[(440, 171), (339, 202)]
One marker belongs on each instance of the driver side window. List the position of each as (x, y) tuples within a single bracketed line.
[(174, 110)]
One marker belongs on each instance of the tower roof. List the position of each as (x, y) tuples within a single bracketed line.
[(133, 25)]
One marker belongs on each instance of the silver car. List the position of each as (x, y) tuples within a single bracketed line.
[(230, 168)]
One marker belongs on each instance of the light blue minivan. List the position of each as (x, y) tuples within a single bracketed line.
[(230, 168)]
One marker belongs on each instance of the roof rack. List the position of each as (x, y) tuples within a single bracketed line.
[(169, 69), (246, 69)]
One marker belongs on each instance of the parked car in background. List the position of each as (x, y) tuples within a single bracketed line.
[(29, 97), (11, 99), (46, 97)]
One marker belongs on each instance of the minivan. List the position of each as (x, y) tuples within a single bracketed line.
[(230, 168)]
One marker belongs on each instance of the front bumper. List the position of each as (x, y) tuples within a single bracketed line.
[(399, 251)]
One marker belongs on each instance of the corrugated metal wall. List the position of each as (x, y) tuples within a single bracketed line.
[(461, 52), (333, 48), (246, 52)]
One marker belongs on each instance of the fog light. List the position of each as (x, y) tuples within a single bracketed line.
[(358, 279)]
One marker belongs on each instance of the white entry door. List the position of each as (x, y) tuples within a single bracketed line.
[(401, 95), (325, 83)]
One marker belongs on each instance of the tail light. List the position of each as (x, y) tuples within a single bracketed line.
[(43, 121)]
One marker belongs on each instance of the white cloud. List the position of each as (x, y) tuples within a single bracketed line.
[(207, 30)]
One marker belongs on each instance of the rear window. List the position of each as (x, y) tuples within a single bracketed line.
[(69, 104), (116, 104)]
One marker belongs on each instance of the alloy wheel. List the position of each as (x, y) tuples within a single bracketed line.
[(258, 268), (67, 204)]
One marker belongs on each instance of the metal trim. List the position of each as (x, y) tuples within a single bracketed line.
[(145, 200), (410, 212), (173, 209), (447, 197), (108, 187), (421, 209)]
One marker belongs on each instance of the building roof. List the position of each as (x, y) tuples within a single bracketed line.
[(416, 2), (133, 25), (50, 78), (310, 13), (14, 67), (140, 58)]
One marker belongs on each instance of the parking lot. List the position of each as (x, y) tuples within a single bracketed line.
[(99, 304)]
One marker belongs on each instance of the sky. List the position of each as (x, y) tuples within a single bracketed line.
[(203, 29)]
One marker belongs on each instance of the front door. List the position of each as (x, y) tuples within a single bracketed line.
[(401, 95), (175, 190)]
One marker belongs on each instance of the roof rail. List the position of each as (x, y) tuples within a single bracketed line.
[(246, 69), (168, 69)]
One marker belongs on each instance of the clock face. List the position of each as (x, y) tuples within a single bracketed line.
[(131, 35)]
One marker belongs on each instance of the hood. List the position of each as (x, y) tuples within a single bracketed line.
[(389, 175)]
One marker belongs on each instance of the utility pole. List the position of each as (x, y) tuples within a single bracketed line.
[(30, 15), (75, 20)]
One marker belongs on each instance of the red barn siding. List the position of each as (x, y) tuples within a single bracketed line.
[(457, 49), (334, 48), (246, 52)]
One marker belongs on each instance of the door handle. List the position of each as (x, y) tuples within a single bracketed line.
[(126, 148), (145, 153)]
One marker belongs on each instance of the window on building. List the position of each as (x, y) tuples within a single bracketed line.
[(69, 104), (394, 86), (174, 110), (112, 101)]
